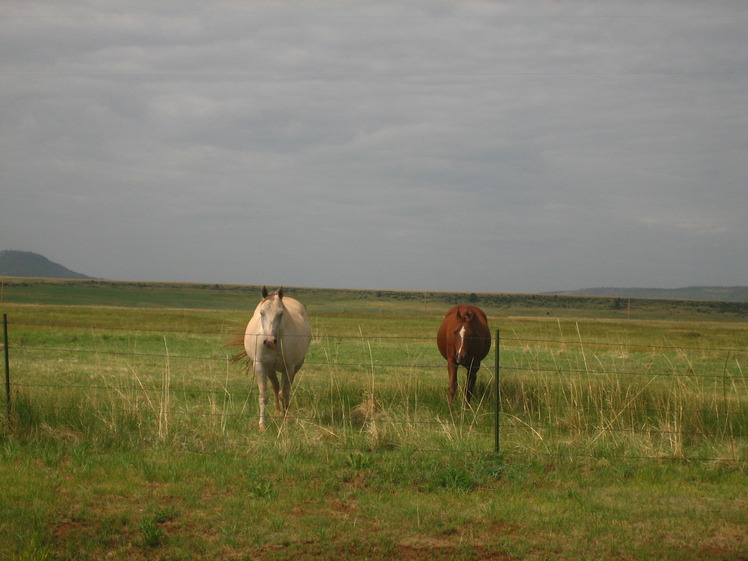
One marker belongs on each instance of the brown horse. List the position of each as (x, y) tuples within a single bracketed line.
[(464, 340)]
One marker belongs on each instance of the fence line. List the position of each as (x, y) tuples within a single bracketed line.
[(367, 362), (504, 339), (414, 365), (489, 365)]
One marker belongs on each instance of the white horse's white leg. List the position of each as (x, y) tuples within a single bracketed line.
[(285, 391), (274, 382), (262, 386)]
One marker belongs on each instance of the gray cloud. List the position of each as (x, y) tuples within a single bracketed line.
[(435, 146)]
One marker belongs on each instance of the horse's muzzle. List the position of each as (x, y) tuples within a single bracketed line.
[(269, 342)]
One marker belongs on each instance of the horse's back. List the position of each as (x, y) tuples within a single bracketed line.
[(483, 335), (446, 327), (481, 332), (298, 312), (299, 330)]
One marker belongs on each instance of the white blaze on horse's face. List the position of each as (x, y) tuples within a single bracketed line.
[(461, 335), (271, 317)]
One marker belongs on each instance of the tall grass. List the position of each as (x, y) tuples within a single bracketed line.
[(648, 402), (593, 388)]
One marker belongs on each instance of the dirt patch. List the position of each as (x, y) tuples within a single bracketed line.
[(68, 527), (457, 546), (437, 548)]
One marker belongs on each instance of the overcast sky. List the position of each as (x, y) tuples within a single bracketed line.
[(459, 146)]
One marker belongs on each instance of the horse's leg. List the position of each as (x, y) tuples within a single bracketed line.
[(472, 376), (452, 370), (286, 380), (276, 388), (262, 386)]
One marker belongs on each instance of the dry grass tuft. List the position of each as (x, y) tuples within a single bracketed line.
[(367, 411)]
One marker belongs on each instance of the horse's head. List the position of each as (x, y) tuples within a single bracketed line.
[(271, 316), (464, 337)]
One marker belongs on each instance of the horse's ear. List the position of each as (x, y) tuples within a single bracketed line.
[(280, 293), (264, 291)]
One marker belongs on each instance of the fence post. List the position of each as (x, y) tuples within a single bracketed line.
[(7, 367), (497, 397)]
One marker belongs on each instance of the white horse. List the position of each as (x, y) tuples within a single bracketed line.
[(276, 340)]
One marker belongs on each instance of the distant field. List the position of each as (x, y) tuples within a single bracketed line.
[(242, 297), (624, 434)]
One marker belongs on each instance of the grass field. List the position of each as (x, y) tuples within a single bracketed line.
[(623, 431)]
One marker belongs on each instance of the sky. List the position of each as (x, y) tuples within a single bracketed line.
[(415, 145)]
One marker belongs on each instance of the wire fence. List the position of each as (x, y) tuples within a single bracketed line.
[(534, 396)]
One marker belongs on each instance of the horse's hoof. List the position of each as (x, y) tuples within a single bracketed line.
[(262, 428)]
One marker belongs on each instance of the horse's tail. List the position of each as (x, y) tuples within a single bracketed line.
[(238, 357), (236, 339)]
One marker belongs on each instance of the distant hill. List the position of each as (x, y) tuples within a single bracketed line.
[(29, 264), (702, 293)]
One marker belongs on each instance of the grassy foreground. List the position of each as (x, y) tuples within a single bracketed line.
[(278, 499), (135, 438)]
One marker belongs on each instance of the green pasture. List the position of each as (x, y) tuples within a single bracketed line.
[(134, 436)]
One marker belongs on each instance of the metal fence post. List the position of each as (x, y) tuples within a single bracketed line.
[(497, 397), (7, 367)]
